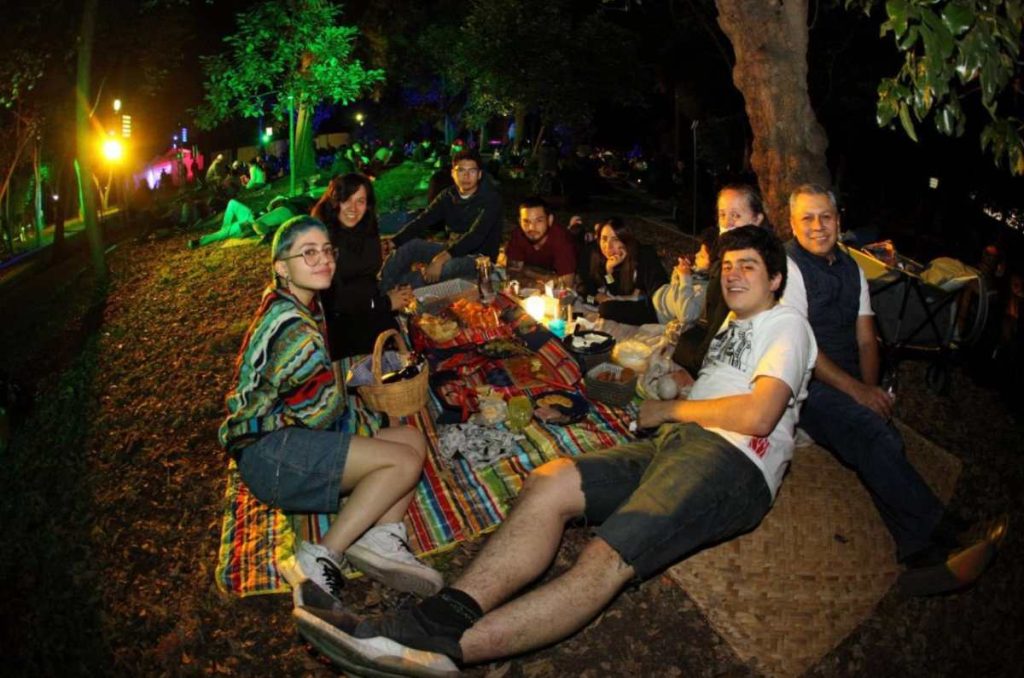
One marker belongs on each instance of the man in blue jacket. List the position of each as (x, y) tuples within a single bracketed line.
[(471, 213), (849, 414)]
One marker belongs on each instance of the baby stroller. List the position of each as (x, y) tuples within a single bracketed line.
[(922, 314)]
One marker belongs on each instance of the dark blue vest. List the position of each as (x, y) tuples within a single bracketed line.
[(833, 300)]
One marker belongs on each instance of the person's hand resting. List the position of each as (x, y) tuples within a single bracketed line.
[(433, 271), (875, 399), (654, 413), (401, 297)]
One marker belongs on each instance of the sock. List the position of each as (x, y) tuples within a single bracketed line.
[(451, 611)]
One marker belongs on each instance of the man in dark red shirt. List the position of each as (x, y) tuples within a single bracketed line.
[(541, 249)]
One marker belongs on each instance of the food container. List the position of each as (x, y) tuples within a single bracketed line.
[(617, 391), (589, 347), (434, 298), (632, 354)]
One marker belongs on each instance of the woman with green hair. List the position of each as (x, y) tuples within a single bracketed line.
[(284, 429)]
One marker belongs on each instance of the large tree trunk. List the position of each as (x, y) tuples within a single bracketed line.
[(769, 38), (304, 154), (85, 137)]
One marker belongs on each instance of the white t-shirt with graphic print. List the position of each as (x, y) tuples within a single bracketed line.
[(775, 343)]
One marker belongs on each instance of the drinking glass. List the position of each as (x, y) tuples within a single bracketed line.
[(520, 411)]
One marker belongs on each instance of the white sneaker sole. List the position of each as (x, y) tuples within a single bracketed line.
[(418, 579), (376, 657)]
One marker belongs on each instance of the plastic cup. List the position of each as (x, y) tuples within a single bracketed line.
[(520, 411)]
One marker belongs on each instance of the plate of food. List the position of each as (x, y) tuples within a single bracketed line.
[(473, 314), (438, 328), (502, 348), (559, 407), (586, 342)]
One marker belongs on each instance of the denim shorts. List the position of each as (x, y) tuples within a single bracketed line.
[(297, 470), (659, 500)]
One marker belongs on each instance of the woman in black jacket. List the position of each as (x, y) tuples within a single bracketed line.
[(621, 275), (356, 310)]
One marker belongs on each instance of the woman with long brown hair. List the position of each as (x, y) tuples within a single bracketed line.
[(621, 275), (357, 311)]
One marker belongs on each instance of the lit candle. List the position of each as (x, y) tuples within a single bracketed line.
[(535, 307)]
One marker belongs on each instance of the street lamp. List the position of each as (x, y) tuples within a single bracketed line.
[(113, 149), (117, 105), (361, 119)]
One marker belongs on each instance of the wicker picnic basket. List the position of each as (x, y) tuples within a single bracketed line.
[(401, 398)]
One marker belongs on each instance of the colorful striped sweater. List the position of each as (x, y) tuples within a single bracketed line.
[(283, 373)]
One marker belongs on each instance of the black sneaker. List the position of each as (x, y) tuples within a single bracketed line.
[(310, 594), (332, 633), (412, 628)]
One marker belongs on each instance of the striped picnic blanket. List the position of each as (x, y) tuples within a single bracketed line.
[(453, 502)]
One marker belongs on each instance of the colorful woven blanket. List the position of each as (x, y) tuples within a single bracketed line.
[(452, 503)]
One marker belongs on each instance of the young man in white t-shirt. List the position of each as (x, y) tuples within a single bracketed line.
[(710, 473)]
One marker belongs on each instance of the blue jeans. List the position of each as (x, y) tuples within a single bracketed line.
[(397, 269), (659, 500), (872, 447), (297, 470)]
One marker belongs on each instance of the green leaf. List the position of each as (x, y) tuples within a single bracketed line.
[(908, 124), (972, 53), (897, 12), (922, 101), (945, 121), (888, 109), (909, 38), (939, 43), (957, 17)]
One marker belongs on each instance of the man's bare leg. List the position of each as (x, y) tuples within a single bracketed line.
[(551, 612), (526, 543)]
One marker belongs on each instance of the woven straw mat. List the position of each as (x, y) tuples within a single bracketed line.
[(785, 594)]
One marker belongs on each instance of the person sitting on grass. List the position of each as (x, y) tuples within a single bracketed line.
[(239, 221), (284, 430), (471, 213), (621, 275), (711, 473), (257, 176), (682, 298), (736, 205), (540, 249), (356, 310)]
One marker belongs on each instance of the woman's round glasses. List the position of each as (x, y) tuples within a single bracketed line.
[(312, 255)]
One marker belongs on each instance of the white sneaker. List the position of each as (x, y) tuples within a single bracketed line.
[(383, 553), (319, 565)]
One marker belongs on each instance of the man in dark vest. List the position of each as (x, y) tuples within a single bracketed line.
[(849, 414)]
